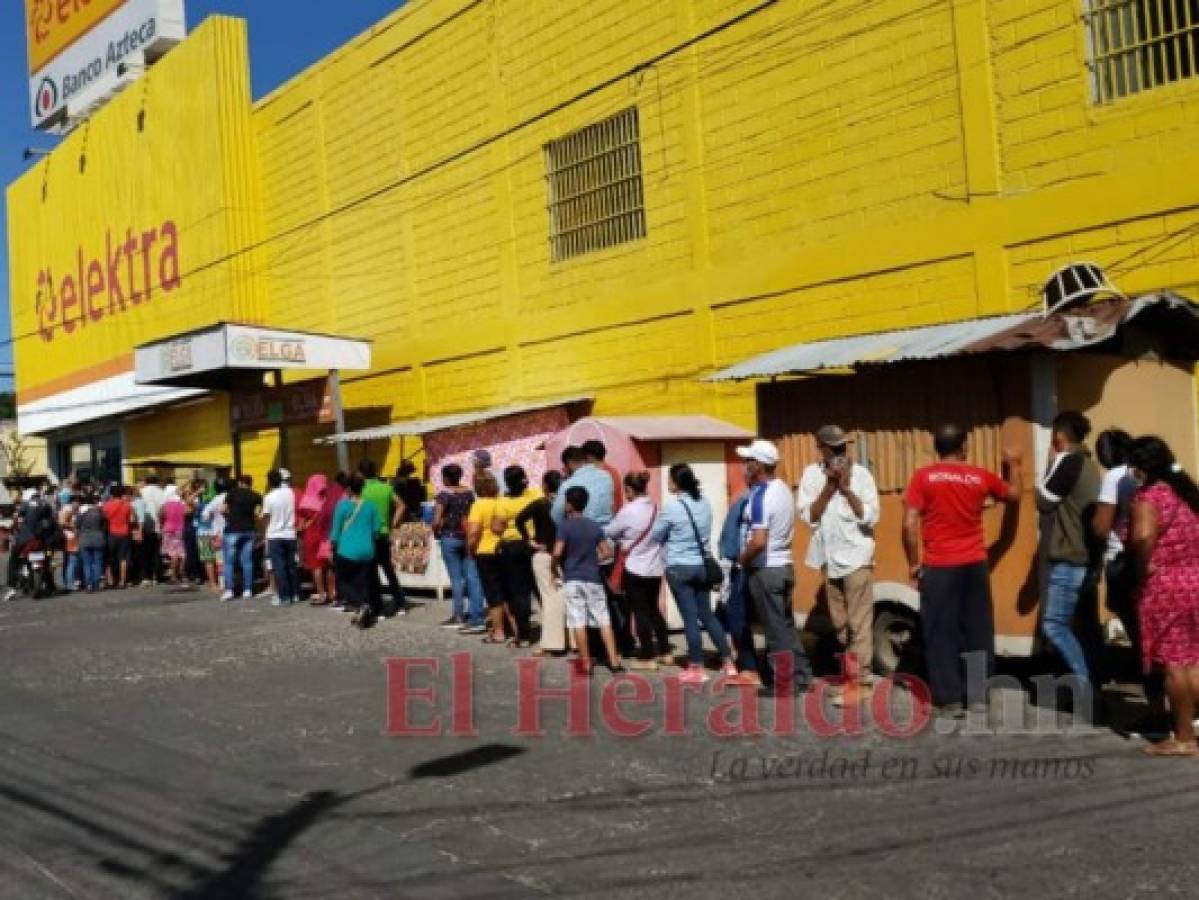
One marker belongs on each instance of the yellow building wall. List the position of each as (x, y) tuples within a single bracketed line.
[(172, 156), (810, 170), (195, 432)]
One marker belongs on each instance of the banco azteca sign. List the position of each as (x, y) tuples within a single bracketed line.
[(87, 70)]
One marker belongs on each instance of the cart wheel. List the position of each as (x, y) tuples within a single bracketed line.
[(897, 643)]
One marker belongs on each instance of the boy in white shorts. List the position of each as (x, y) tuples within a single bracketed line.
[(576, 554)]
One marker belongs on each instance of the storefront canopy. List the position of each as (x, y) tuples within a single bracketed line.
[(231, 356), (1173, 319)]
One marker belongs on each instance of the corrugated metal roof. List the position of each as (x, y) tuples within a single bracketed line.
[(1069, 329), (676, 428), (883, 347), (417, 427)]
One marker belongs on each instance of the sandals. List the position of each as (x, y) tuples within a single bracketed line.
[(1171, 747)]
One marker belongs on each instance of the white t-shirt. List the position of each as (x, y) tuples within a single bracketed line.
[(648, 558), (211, 517), (152, 496), (280, 508), (841, 542), (772, 507), (1119, 489)]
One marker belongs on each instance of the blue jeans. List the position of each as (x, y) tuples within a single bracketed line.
[(239, 548), (1066, 584), (282, 552), (70, 571), (465, 585), (694, 600), (734, 616), (93, 566)]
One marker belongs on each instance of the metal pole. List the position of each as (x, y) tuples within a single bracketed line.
[(339, 419), (237, 454), (283, 445)]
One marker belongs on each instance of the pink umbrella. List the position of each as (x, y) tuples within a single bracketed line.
[(623, 454)]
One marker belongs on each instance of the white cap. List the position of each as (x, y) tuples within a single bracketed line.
[(760, 451)]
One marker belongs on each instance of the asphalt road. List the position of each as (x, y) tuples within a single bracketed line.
[(165, 745)]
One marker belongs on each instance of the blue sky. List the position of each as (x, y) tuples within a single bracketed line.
[(285, 37)]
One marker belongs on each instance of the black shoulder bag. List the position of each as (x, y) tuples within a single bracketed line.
[(713, 574)]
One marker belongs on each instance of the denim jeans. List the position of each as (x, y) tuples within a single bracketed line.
[(93, 566), (694, 600), (71, 570), (735, 617), (465, 586), (239, 549), (1066, 585), (283, 563)]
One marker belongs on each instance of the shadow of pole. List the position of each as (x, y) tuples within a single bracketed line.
[(244, 875)]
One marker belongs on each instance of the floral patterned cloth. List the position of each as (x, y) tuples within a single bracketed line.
[(517, 440), (1169, 605)]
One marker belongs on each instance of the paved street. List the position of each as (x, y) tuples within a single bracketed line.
[(164, 745)]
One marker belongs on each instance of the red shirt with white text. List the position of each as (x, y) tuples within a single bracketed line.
[(950, 497)]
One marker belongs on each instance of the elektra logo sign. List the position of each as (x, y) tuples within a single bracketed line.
[(121, 278), (54, 25)]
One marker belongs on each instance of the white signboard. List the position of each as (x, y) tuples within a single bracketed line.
[(103, 60), (233, 347)]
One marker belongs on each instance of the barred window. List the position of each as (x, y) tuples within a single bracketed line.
[(596, 195), (1137, 45)]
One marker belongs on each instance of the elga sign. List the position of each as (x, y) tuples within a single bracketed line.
[(228, 346), (77, 48)]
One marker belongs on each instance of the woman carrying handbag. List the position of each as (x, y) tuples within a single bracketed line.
[(692, 572), (352, 536), (637, 572)]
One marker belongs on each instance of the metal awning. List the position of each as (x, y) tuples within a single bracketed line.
[(231, 355), (1173, 317), (675, 428), (418, 427)]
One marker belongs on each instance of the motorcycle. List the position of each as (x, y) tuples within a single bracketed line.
[(35, 574)]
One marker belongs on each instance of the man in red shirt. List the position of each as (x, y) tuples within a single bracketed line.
[(943, 510), (118, 511)]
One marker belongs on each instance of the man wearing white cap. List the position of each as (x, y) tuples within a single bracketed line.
[(838, 500), (770, 523)]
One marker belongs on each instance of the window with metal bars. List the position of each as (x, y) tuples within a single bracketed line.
[(596, 195), (1137, 45)]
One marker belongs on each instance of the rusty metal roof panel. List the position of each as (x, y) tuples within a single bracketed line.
[(1066, 330), (931, 342)]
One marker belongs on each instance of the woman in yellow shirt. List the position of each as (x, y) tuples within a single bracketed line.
[(482, 543), (515, 554)]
